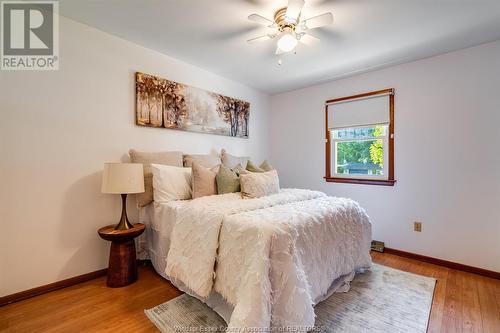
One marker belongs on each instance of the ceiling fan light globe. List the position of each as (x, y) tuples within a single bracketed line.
[(287, 43)]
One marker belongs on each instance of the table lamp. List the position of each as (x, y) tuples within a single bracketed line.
[(123, 178)]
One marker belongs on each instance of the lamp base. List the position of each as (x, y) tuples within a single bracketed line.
[(124, 223)]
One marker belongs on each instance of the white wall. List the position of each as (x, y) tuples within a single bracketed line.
[(447, 153), (56, 131)]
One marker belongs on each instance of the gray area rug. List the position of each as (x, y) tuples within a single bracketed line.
[(380, 300)]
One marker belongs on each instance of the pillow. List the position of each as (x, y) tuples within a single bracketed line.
[(171, 183), (231, 161), (204, 180), (263, 167), (207, 161), (228, 181), (266, 166), (173, 158), (252, 167), (259, 184), (239, 169)]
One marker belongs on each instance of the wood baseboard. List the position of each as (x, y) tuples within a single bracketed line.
[(444, 263), (22, 295)]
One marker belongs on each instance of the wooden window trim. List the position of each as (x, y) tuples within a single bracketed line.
[(390, 181)]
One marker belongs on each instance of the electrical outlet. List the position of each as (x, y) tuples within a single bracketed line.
[(417, 226)]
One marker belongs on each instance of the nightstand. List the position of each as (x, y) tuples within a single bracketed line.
[(122, 268)]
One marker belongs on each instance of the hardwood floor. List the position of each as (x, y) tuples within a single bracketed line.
[(91, 307), (463, 302)]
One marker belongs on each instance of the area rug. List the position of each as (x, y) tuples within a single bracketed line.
[(380, 300)]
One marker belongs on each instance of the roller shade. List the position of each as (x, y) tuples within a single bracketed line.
[(359, 112)]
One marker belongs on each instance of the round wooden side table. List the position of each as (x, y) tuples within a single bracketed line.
[(122, 269)]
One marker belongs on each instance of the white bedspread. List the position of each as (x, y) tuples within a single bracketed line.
[(277, 255)]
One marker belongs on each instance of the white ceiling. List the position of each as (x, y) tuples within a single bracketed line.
[(366, 34)]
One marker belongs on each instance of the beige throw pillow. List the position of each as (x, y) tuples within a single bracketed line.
[(171, 183), (208, 161), (172, 158), (259, 184), (204, 180), (231, 161)]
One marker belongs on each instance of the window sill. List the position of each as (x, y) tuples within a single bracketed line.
[(382, 182)]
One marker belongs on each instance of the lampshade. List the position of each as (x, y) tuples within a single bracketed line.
[(121, 178)]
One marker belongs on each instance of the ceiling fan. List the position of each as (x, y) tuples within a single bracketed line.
[(289, 26)]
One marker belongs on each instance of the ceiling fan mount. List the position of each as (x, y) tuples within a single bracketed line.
[(289, 26), (282, 21)]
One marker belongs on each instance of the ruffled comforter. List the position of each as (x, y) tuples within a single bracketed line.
[(276, 256)]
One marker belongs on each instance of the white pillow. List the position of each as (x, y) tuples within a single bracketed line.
[(171, 183), (259, 184)]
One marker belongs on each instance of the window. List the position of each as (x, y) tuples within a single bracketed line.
[(360, 139), (360, 151)]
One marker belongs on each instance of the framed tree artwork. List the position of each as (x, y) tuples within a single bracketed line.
[(168, 104)]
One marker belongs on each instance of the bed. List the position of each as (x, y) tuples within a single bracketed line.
[(260, 263)]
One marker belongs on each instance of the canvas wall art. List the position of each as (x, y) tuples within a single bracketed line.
[(168, 104)]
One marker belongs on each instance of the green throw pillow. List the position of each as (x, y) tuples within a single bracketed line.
[(253, 168), (228, 181), (263, 167), (239, 169), (266, 166)]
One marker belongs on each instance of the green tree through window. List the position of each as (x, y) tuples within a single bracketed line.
[(354, 151), (361, 150), (376, 148)]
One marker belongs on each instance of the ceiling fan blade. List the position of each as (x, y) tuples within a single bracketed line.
[(308, 39), (260, 19), (317, 21), (261, 38), (294, 8)]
